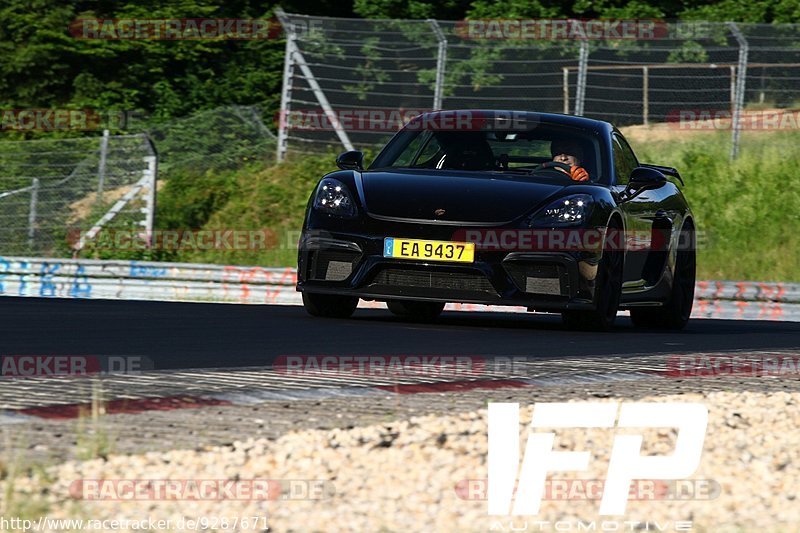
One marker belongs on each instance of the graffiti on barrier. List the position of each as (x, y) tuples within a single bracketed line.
[(4, 264), (53, 278), (81, 288), (138, 270), (243, 277), (47, 287), (140, 280)]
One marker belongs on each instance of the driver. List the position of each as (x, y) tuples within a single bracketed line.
[(569, 153)]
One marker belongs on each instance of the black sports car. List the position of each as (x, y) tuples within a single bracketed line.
[(484, 207)]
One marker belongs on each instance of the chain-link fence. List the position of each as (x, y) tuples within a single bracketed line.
[(52, 188), (222, 138), (351, 82), (56, 195)]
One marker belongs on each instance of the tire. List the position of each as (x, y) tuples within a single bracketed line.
[(675, 313), (420, 311), (607, 295), (329, 305)]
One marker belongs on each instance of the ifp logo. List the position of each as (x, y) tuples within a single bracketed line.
[(626, 463)]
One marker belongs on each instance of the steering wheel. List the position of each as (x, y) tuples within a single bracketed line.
[(556, 165)]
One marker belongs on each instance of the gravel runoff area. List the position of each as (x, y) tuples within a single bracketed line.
[(403, 476)]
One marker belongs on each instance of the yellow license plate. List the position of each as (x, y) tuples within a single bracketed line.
[(457, 252)]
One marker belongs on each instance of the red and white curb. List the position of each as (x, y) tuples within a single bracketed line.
[(254, 397), (161, 391)]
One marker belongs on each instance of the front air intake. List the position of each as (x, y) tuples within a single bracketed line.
[(332, 265)]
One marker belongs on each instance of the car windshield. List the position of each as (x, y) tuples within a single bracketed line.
[(521, 152)]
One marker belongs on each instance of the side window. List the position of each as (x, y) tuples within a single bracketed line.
[(404, 159), (624, 160), (419, 152), (431, 150)]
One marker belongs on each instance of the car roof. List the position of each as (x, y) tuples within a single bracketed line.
[(529, 116)]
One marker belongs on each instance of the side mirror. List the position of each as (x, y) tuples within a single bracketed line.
[(644, 176), (352, 160)]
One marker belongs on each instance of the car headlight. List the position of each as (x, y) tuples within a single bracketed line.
[(567, 211), (333, 197)]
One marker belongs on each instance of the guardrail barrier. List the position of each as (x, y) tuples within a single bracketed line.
[(142, 280)]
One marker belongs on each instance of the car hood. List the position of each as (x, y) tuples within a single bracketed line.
[(481, 198)]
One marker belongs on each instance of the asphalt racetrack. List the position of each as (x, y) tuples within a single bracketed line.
[(200, 335)]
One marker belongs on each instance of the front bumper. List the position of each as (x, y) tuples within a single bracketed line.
[(352, 264)]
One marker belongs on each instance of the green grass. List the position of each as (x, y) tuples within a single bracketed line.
[(272, 199), (13, 467), (30, 499), (93, 440), (748, 211)]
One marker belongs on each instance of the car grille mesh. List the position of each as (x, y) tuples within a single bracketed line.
[(332, 265), (455, 281), (539, 278)]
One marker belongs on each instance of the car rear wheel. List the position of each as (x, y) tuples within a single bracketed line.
[(608, 292), (675, 312), (329, 305), (422, 311)]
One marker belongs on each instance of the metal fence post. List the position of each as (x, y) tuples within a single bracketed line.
[(565, 88), (32, 212), (583, 63), (741, 76), (286, 97), (645, 95), (101, 167), (292, 48), (441, 60), (150, 199), (321, 98)]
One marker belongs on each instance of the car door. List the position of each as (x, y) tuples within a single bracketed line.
[(639, 208)]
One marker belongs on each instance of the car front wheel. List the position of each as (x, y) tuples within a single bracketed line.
[(675, 312), (608, 290), (329, 305)]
